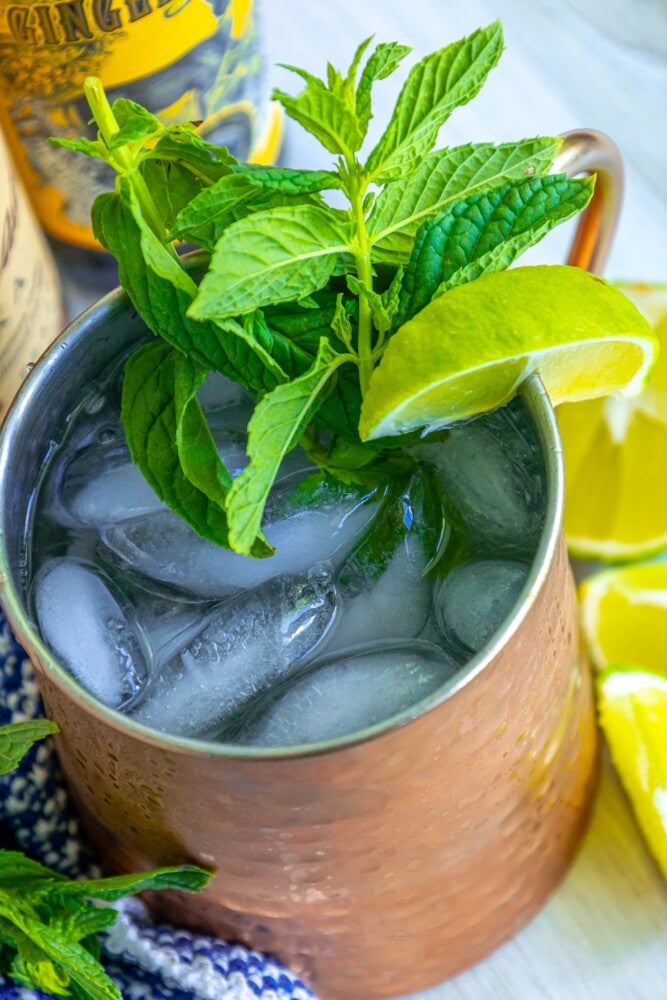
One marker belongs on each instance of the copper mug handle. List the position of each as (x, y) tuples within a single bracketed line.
[(585, 151)]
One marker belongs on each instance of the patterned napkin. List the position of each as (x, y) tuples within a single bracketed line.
[(148, 962)]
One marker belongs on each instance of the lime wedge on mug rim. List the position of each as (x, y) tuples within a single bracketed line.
[(471, 347)]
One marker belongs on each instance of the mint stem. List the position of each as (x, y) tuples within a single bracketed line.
[(121, 159), (362, 256)]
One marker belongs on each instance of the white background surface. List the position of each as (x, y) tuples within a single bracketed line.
[(603, 936)]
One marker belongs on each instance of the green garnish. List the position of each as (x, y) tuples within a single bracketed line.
[(300, 298), (48, 924)]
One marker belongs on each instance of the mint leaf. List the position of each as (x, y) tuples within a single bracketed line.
[(183, 878), (503, 219), (446, 176), (29, 966), (181, 165), (22, 875), (272, 256), (162, 291), (47, 925), (286, 180), (434, 87), (297, 332), (382, 62), (33, 882), (17, 738), (498, 258), (324, 114), (283, 357), (213, 208), (197, 453), (303, 328), (81, 145), (127, 112), (154, 405), (346, 455), (47, 958), (275, 428), (382, 315), (341, 323), (137, 124)]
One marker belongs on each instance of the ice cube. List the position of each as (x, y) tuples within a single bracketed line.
[(492, 472), (474, 599), (101, 485), (313, 529), (245, 644), (345, 694), (169, 622), (395, 606), (91, 628), (385, 589)]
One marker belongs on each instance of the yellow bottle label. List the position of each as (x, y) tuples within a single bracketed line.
[(183, 59), (116, 41)]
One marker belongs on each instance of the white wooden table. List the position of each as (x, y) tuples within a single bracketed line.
[(603, 936)]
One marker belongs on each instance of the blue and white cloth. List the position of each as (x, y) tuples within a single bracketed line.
[(148, 962)]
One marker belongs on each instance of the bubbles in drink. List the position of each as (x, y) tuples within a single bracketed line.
[(380, 590)]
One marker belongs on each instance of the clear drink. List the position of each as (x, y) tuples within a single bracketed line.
[(378, 593)]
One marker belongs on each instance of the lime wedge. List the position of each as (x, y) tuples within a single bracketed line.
[(632, 703), (468, 350)]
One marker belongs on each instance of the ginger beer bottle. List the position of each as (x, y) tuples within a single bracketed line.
[(31, 307), (186, 60)]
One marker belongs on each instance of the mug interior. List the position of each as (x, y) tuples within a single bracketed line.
[(37, 421)]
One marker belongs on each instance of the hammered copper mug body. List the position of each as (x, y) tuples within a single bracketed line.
[(374, 865)]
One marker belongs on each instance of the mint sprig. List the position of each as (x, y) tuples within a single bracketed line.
[(299, 297), (17, 738), (49, 923)]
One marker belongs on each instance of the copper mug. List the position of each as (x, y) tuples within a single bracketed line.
[(393, 859)]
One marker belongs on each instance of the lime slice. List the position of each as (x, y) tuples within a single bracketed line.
[(469, 349), (615, 454), (632, 704)]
